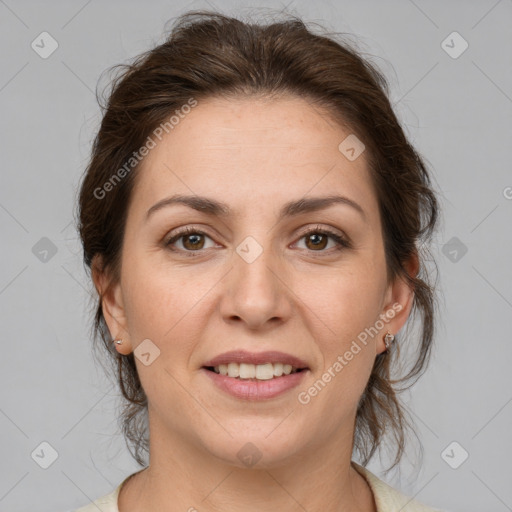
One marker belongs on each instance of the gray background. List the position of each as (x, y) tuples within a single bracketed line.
[(457, 111)]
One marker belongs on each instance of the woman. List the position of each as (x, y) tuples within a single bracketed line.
[(252, 217)]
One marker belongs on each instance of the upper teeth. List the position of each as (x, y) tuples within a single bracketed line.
[(259, 371)]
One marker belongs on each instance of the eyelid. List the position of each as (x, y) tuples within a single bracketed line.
[(319, 228)]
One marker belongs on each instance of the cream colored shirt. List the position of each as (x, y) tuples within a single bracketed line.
[(386, 497)]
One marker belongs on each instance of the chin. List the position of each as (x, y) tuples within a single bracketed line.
[(258, 450)]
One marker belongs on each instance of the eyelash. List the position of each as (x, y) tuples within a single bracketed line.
[(342, 242)]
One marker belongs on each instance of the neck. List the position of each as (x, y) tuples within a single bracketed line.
[(180, 478)]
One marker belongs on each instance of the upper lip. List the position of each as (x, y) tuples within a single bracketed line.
[(242, 356)]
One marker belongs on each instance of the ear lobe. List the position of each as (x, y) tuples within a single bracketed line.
[(111, 299), (400, 299)]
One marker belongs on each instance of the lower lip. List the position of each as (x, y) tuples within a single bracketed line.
[(248, 389)]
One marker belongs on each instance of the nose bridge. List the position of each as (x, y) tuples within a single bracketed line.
[(255, 293)]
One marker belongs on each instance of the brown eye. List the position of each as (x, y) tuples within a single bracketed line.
[(193, 241), (316, 241)]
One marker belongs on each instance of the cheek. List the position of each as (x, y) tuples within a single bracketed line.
[(341, 312), (164, 307), (163, 303), (346, 302), (148, 303)]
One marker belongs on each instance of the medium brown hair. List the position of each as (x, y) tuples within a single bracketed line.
[(212, 55)]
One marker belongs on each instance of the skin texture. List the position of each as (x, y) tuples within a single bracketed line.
[(310, 301)]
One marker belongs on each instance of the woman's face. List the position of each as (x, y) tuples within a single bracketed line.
[(262, 276)]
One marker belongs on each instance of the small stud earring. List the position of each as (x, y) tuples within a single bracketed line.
[(388, 339), (118, 342)]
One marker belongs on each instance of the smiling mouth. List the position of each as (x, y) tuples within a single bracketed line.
[(245, 371)]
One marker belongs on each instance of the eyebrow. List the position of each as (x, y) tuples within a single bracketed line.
[(291, 209)]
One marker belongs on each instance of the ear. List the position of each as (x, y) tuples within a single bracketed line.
[(398, 302), (112, 304)]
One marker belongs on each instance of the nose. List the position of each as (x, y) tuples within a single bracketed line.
[(256, 293)]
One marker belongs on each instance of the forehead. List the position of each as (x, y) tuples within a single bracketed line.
[(253, 149)]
